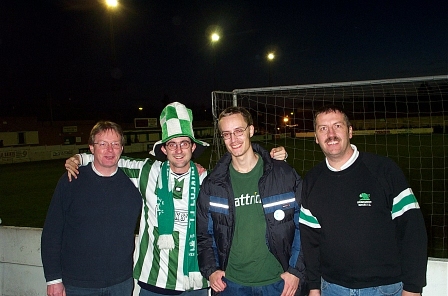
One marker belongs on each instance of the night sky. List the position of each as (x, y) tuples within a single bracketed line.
[(57, 58)]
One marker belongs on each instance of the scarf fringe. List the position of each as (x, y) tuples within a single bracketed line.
[(193, 281), (166, 241)]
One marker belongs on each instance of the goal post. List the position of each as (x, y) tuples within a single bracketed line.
[(404, 119)]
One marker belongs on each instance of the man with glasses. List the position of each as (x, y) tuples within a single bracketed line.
[(87, 242), (247, 217), (166, 257)]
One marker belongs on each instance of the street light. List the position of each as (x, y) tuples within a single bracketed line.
[(285, 120), (270, 57), (214, 38), (293, 125), (112, 5)]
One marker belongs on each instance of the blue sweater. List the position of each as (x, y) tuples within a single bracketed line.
[(88, 236)]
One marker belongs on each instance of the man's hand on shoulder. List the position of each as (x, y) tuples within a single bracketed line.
[(56, 290), (279, 153), (200, 168), (71, 165)]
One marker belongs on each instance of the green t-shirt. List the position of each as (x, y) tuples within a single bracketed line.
[(250, 262)]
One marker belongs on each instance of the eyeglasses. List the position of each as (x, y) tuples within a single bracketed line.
[(238, 132), (173, 145), (105, 145)]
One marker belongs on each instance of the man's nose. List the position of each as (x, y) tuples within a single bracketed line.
[(331, 131)]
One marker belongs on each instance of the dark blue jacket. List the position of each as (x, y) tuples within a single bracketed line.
[(280, 190)]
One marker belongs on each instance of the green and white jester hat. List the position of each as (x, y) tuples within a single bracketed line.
[(176, 120)]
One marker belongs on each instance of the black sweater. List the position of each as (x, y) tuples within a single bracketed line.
[(88, 236), (362, 237)]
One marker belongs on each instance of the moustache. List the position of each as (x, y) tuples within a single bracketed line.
[(330, 139)]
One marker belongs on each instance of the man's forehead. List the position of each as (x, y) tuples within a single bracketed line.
[(179, 139), (330, 114), (107, 133), (233, 121)]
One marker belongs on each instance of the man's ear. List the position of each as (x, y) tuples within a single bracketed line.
[(91, 149), (163, 148), (193, 147), (251, 131)]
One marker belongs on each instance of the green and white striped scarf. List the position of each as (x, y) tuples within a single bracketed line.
[(165, 219)]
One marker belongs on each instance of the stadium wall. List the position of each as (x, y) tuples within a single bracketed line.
[(38, 153), (399, 123)]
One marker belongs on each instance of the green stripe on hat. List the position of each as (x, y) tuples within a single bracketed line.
[(176, 120)]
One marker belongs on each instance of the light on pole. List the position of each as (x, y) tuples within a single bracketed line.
[(112, 3), (270, 57), (214, 38), (112, 6), (285, 120), (293, 124)]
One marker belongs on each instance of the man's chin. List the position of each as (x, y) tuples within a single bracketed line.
[(179, 163), (236, 153)]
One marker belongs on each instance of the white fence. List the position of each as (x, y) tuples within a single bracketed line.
[(21, 270)]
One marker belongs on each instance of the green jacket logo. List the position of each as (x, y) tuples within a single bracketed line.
[(364, 196), (364, 200)]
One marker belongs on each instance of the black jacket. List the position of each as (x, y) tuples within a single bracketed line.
[(280, 188)]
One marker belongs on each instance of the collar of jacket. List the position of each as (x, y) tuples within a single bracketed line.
[(221, 170)]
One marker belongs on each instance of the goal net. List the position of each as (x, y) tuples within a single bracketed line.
[(405, 119)]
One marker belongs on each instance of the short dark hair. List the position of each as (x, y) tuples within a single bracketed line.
[(331, 108), (237, 110), (102, 126)]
